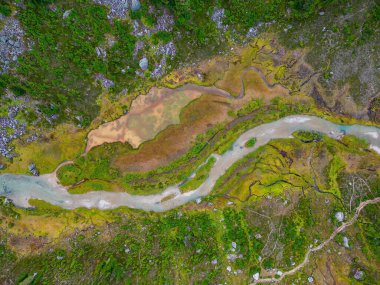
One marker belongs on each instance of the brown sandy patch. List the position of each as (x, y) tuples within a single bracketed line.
[(149, 115), (174, 141)]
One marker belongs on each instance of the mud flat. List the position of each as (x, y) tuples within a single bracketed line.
[(149, 115), (21, 188)]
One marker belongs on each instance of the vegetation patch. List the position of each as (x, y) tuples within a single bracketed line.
[(307, 136), (200, 175)]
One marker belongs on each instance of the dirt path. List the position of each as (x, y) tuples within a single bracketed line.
[(320, 246)]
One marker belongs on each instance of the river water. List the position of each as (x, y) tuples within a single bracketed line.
[(21, 188)]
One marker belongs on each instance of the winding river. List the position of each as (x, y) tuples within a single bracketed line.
[(21, 188)]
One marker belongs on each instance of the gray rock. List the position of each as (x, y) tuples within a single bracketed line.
[(143, 63), (345, 242), (66, 14), (256, 276), (339, 216), (101, 52), (106, 83), (33, 169), (118, 9), (359, 274), (11, 43), (135, 5)]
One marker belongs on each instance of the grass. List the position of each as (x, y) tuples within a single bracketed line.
[(201, 174), (64, 143)]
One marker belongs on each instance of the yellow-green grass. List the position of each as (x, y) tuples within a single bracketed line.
[(201, 174), (65, 143)]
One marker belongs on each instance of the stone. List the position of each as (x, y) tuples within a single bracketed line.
[(33, 169), (198, 201), (310, 279), (339, 216), (256, 276), (345, 242), (66, 14), (143, 63), (135, 5), (229, 268), (233, 244), (359, 274), (214, 261)]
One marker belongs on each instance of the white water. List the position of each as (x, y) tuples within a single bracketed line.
[(21, 188)]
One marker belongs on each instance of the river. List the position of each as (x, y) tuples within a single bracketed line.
[(21, 188)]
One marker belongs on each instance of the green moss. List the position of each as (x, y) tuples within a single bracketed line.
[(307, 136), (333, 170), (69, 174), (251, 142)]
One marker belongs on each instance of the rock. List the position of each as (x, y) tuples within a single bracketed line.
[(135, 5), (117, 8), (233, 244), (258, 236), (106, 83), (143, 63), (256, 276), (345, 242), (230, 203), (214, 261), (101, 52), (279, 273), (66, 14), (198, 200), (339, 216), (310, 279), (359, 274), (229, 268), (33, 169), (217, 17)]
